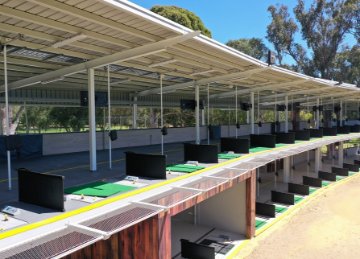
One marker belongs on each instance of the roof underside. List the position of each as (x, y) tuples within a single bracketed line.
[(44, 36)]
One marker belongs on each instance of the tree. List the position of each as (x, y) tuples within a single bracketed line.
[(254, 47), (183, 17), (347, 65), (69, 118), (323, 26)]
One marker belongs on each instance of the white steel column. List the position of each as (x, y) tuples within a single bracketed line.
[(197, 112), (286, 174), (109, 115), (161, 113), (317, 113), (247, 117), (258, 112), (26, 119), (252, 112), (286, 114), (134, 113), (208, 113), (92, 119), (341, 154), (341, 113), (317, 160), (7, 117), (203, 117), (236, 112)]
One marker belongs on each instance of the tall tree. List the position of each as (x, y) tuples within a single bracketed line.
[(183, 17), (323, 26), (254, 47)]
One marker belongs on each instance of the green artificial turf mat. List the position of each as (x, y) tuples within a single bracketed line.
[(339, 177), (281, 145), (99, 189), (280, 209), (352, 173), (325, 183), (299, 141), (259, 223), (227, 156), (298, 199), (312, 190), (187, 166), (184, 168), (180, 169), (259, 149)]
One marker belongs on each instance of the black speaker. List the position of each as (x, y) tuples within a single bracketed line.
[(245, 106), (187, 104), (238, 125), (314, 108), (113, 135), (101, 99), (259, 124), (280, 107), (271, 58), (337, 109), (13, 142), (164, 131), (277, 123)]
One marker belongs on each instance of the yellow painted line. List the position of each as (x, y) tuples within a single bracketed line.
[(238, 248), (101, 203)]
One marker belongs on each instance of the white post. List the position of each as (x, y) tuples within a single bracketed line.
[(286, 175), (247, 117), (252, 112), (236, 112), (109, 115), (7, 117), (208, 113), (341, 154), (92, 119), (161, 112), (341, 113), (258, 112), (197, 112), (203, 117), (317, 160), (286, 114), (26, 119), (317, 113), (134, 113)]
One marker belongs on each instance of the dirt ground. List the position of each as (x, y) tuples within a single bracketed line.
[(326, 227)]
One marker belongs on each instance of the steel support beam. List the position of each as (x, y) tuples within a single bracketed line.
[(252, 110), (102, 61), (197, 111), (92, 119)]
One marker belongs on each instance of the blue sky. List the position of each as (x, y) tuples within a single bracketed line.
[(232, 19), (227, 19)]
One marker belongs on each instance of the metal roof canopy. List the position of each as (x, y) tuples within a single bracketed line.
[(52, 42)]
